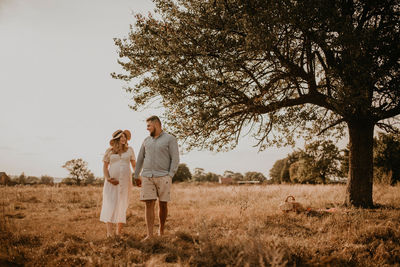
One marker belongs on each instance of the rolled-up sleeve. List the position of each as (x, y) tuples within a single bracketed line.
[(139, 162), (174, 155)]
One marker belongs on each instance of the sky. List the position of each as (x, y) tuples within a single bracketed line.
[(57, 98)]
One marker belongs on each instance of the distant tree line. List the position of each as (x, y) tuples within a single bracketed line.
[(322, 162), (22, 179), (183, 174), (77, 168)]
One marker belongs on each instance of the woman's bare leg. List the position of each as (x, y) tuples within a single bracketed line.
[(119, 228), (109, 229)]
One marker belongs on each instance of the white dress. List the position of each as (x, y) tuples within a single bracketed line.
[(116, 197)]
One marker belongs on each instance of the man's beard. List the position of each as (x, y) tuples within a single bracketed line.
[(153, 133)]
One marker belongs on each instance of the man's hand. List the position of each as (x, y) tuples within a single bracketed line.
[(138, 182), (113, 181)]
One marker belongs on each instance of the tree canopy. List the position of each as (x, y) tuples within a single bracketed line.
[(182, 174), (318, 162), (278, 69)]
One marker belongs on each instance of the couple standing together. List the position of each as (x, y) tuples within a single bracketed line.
[(156, 164)]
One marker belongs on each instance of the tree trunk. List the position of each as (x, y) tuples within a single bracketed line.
[(323, 178), (359, 183)]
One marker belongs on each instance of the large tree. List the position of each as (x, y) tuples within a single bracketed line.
[(78, 170), (279, 68)]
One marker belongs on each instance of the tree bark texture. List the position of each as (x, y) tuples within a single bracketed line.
[(360, 176)]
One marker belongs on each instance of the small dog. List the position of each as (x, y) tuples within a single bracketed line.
[(291, 205)]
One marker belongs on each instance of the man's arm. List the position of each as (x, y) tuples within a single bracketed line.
[(139, 162), (174, 154)]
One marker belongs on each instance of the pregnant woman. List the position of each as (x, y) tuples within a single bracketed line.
[(117, 162)]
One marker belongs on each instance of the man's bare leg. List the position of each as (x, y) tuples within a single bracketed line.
[(149, 210), (162, 215), (109, 229)]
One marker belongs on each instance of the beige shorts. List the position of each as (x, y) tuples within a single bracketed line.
[(156, 187)]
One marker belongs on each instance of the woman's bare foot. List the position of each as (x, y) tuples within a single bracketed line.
[(109, 229)]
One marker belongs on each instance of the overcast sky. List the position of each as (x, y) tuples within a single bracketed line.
[(57, 98)]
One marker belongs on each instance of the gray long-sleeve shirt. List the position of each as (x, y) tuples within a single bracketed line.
[(158, 156)]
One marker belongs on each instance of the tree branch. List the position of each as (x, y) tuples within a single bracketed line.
[(388, 114), (315, 98), (331, 125), (388, 128)]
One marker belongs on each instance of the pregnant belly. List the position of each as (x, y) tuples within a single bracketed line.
[(118, 171)]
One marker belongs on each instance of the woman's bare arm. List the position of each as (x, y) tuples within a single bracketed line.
[(106, 174)]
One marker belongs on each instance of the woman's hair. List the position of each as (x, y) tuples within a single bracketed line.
[(117, 147)]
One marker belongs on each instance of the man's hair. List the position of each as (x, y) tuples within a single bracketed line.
[(154, 118)]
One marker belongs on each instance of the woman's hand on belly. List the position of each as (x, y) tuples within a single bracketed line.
[(113, 181)]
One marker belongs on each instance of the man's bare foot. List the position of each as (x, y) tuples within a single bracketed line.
[(109, 235), (160, 232)]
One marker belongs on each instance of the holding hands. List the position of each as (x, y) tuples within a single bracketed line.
[(138, 182)]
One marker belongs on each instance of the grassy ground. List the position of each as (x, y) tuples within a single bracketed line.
[(208, 225)]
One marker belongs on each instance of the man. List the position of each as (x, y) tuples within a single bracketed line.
[(159, 159)]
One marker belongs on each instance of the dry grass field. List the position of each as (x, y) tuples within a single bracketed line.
[(208, 225)]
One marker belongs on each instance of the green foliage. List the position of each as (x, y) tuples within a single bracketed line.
[(387, 158), (45, 179), (276, 170), (69, 181), (32, 180), (90, 179), (236, 176), (98, 181), (201, 176), (78, 170), (182, 174), (322, 159), (280, 171), (254, 176), (285, 174), (317, 163), (21, 179), (299, 172)]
